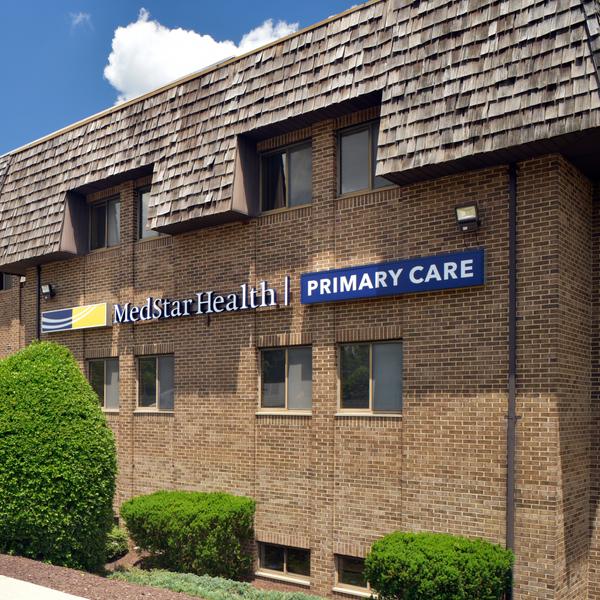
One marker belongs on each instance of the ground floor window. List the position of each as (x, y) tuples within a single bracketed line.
[(286, 378), (284, 560), (371, 376), (350, 573), (103, 375), (156, 382)]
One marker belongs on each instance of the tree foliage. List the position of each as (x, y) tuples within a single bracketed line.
[(57, 460)]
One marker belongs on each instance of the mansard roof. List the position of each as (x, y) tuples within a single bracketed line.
[(454, 78)]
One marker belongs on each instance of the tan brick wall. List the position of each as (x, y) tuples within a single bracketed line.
[(10, 319), (336, 483)]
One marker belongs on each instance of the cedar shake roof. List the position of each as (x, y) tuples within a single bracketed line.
[(455, 78)]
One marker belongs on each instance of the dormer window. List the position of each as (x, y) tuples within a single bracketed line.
[(357, 154), (105, 226), (286, 177)]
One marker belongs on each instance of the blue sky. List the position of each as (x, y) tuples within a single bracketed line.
[(54, 53)]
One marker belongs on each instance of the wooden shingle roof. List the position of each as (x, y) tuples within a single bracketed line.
[(456, 78)]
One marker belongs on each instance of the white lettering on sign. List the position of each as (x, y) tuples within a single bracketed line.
[(204, 303)]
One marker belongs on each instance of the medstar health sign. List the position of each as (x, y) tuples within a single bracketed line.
[(428, 274)]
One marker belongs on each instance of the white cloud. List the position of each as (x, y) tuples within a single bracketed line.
[(80, 19), (146, 54)]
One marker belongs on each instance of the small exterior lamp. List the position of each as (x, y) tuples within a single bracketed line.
[(48, 291), (467, 217)]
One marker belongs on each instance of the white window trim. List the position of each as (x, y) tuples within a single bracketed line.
[(282, 575), (346, 588)]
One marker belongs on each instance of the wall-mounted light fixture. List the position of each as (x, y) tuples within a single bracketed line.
[(48, 291), (467, 217)]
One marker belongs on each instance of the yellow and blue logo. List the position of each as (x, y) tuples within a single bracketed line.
[(78, 317)]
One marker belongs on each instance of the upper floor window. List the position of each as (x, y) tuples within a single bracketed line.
[(371, 377), (286, 177), (105, 223), (104, 378), (6, 281), (144, 231), (156, 382), (287, 378), (357, 153)]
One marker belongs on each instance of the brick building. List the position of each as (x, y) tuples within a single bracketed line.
[(431, 397)]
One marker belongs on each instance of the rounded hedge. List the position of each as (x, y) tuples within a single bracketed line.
[(430, 566), (195, 532), (57, 460)]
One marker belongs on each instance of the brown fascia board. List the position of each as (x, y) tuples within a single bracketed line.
[(221, 218), (20, 267)]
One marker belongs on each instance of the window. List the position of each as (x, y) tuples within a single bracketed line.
[(284, 560), (287, 378), (143, 203), (156, 382), (371, 377), (286, 177), (105, 224), (350, 572), (357, 153), (6, 281), (104, 378)]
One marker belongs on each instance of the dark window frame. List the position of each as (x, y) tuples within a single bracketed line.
[(338, 568), (96, 204), (286, 350), (6, 282), (371, 409), (285, 572), (140, 228), (157, 407), (369, 126), (115, 359), (306, 143)]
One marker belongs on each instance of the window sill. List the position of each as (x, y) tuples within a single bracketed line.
[(283, 413), (353, 591), (366, 191), (105, 249), (368, 415), (282, 577), (275, 211), (149, 411), (110, 411)]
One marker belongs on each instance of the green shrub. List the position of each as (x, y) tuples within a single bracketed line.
[(204, 586), (117, 544), (429, 566), (204, 533), (57, 460)]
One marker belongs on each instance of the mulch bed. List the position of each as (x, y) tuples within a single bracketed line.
[(94, 587), (79, 583)]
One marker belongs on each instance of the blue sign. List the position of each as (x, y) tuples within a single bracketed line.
[(427, 274)]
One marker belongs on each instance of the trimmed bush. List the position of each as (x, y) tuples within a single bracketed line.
[(117, 544), (204, 533), (204, 586), (57, 460), (430, 566)]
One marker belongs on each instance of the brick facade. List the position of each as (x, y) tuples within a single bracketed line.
[(331, 482)]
